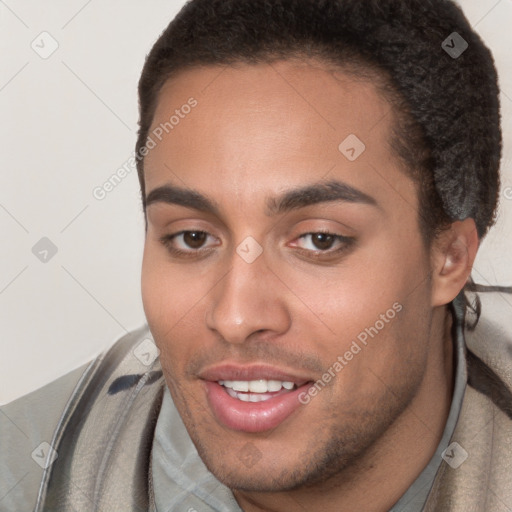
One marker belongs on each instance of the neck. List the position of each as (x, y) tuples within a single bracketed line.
[(403, 451)]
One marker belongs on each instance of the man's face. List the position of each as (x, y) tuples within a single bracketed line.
[(261, 299)]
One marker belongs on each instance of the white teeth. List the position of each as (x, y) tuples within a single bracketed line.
[(248, 397), (274, 385), (257, 386), (240, 385)]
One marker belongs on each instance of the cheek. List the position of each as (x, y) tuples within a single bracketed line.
[(153, 287), (171, 298), (372, 296), (159, 298), (165, 295), (353, 294)]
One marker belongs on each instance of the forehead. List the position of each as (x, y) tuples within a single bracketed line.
[(257, 129)]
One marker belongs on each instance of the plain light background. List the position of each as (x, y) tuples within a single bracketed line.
[(69, 121)]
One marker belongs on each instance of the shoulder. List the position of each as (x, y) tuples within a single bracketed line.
[(104, 435), (479, 478), (490, 344), (28, 424)]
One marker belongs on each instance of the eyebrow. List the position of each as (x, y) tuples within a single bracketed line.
[(291, 200), (318, 193), (171, 194)]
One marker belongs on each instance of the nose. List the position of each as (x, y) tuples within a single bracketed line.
[(249, 299)]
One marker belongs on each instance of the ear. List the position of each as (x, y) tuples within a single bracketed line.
[(452, 257)]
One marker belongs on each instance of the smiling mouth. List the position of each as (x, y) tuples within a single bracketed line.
[(255, 405)]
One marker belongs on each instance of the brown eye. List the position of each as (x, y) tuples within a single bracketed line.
[(322, 241), (187, 243), (194, 239)]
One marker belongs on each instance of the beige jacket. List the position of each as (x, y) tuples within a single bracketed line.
[(484, 428)]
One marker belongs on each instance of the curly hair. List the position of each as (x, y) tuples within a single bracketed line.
[(446, 128)]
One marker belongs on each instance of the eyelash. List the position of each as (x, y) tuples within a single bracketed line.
[(346, 243)]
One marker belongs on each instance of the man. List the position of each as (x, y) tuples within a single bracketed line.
[(316, 177)]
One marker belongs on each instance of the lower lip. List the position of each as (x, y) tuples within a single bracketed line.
[(252, 416)]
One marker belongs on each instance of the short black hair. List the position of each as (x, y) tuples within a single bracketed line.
[(447, 130)]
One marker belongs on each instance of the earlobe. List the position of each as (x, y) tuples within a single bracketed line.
[(453, 257)]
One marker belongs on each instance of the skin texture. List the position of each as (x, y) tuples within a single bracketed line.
[(256, 132)]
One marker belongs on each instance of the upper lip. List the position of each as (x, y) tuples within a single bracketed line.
[(232, 371)]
